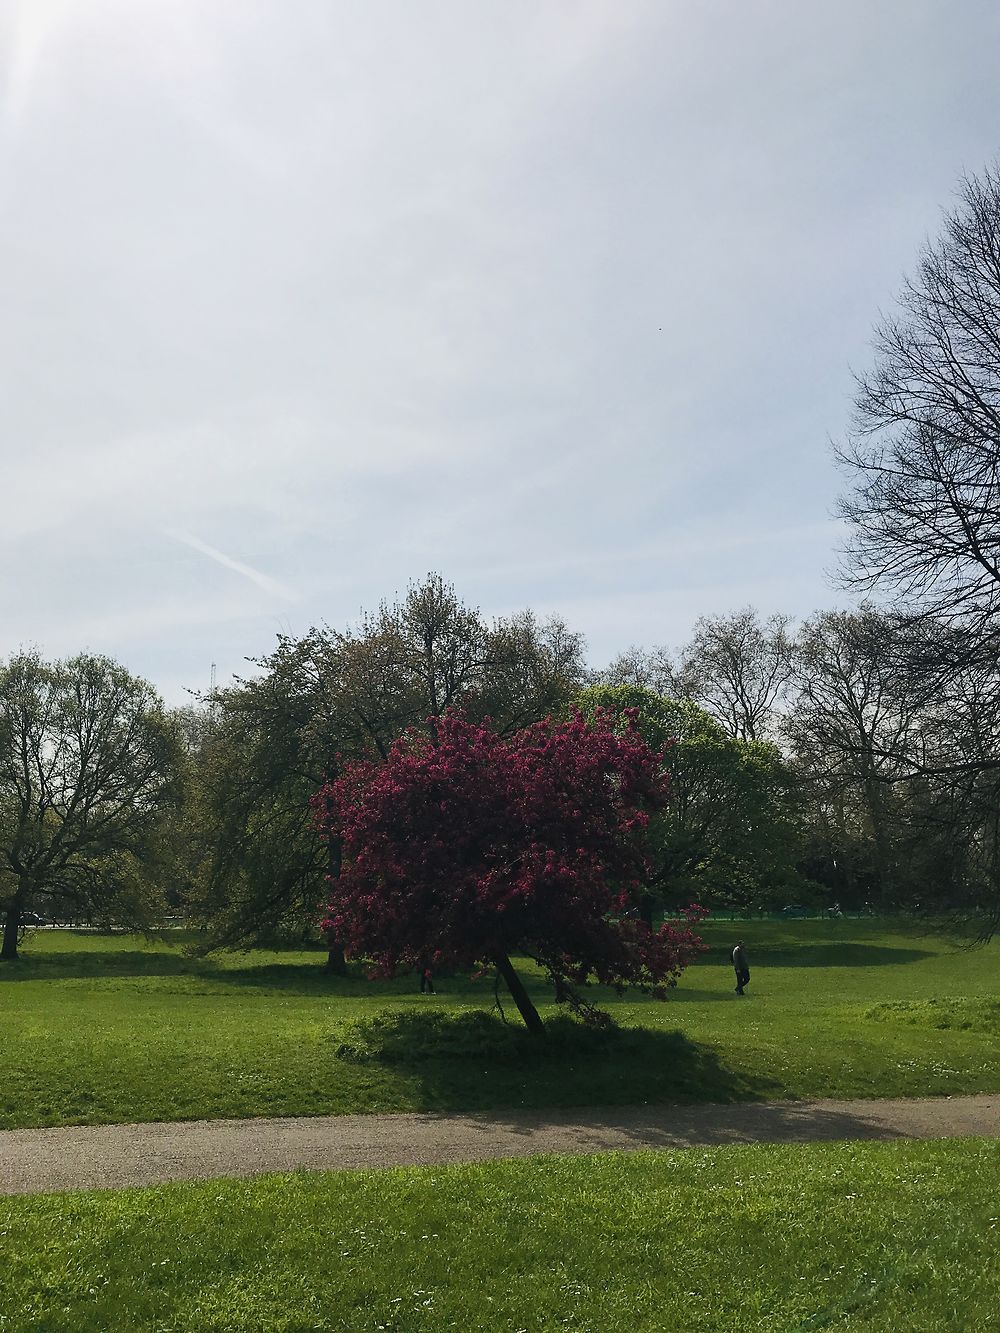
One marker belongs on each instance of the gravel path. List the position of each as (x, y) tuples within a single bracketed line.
[(114, 1156)]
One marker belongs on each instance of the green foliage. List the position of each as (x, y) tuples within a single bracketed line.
[(90, 769), (335, 696), (260, 862), (730, 835), (859, 1236)]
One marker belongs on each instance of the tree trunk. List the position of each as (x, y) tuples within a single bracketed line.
[(532, 1020), (336, 963), (11, 922)]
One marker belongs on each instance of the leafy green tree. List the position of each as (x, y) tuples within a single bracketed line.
[(271, 744), (335, 696), (729, 835), (89, 765)]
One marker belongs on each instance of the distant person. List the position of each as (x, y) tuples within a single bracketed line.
[(741, 967), (426, 980)]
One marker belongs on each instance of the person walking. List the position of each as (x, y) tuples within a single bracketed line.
[(426, 980), (741, 967)]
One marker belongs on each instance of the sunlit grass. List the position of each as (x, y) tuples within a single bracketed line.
[(116, 1028), (866, 1237)]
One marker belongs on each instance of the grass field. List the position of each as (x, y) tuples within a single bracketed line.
[(113, 1028), (768, 1239)]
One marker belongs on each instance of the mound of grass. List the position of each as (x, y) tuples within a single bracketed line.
[(401, 1036), (477, 1050), (413, 1037), (955, 1012), (835, 1236)]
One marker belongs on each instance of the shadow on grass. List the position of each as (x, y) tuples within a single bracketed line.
[(64, 964), (590, 1130), (826, 954), (471, 1059), (306, 978), (685, 994), (74, 964)]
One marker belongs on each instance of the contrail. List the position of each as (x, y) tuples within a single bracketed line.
[(237, 566)]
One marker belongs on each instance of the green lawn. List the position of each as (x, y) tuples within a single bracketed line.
[(103, 1029), (773, 1239)]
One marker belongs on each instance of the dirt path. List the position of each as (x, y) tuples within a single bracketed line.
[(114, 1156)]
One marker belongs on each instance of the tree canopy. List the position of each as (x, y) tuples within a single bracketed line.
[(89, 764), (336, 696), (467, 846), (729, 834)]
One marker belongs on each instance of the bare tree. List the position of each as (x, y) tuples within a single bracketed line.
[(417, 657), (860, 730), (924, 509), (644, 669), (924, 457), (737, 667)]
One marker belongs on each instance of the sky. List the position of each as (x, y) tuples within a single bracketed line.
[(302, 299)]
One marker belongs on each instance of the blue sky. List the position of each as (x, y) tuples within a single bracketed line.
[(302, 300)]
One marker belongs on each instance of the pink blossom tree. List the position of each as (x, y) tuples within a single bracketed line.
[(466, 847)]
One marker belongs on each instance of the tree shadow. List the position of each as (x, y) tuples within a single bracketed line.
[(306, 978), (625, 1128), (684, 994), (100, 964), (467, 1060), (832, 954), (310, 978), (289, 978), (68, 964)]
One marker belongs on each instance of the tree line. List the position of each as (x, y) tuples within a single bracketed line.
[(820, 764), (854, 757)]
